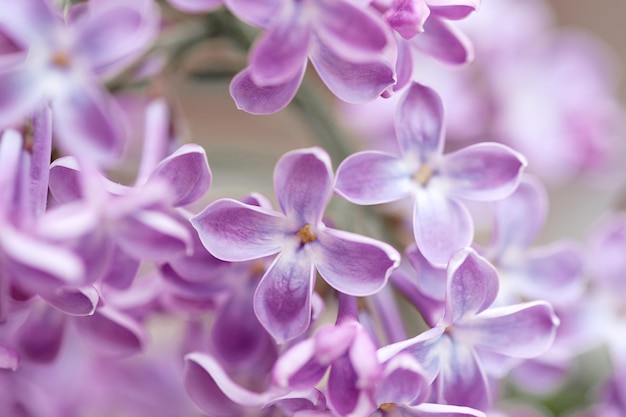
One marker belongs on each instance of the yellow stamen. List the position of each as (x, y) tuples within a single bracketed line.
[(305, 234), (61, 59), (423, 175), (387, 407)]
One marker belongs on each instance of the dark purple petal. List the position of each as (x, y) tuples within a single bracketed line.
[(441, 226), (353, 82), (353, 264), (282, 301), (123, 269), (114, 33), (443, 42), (407, 17), (472, 286), (254, 99), (112, 332), (484, 172), (520, 217), (279, 54), (40, 337), (403, 382), (373, 177), (419, 122), (298, 368), (523, 330), (347, 394), (303, 182), (234, 231), (89, 124), (354, 33), (65, 180), (187, 172)]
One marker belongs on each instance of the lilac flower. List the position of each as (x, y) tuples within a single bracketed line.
[(61, 63), (348, 45), (195, 6), (352, 264), (471, 334), (441, 224)]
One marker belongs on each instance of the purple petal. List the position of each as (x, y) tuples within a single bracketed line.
[(157, 138), (303, 185), (40, 162), (254, 99), (112, 34), (29, 21), (431, 281), (453, 9), (443, 42), (88, 124), (65, 180), (9, 358), (407, 17), (211, 389), (20, 96), (483, 172), (443, 410), (472, 286), (233, 231), (112, 332), (153, 235), (195, 6), (354, 33), (419, 122), (278, 55), (403, 382), (298, 368), (122, 271), (254, 12), (74, 301), (373, 177), (346, 393), (441, 226), (353, 264), (187, 172), (520, 217), (282, 301), (40, 337), (11, 145), (353, 82), (523, 330), (462, 381)]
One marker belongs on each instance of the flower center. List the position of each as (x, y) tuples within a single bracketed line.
[(61, 59), (423, 175), (305, 234), (387, 407)]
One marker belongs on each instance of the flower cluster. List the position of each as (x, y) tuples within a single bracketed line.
[(402, 279)]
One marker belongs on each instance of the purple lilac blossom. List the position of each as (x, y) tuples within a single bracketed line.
[(349, 46), (63, 63), (352, 264), (453, 353), (441, 223)]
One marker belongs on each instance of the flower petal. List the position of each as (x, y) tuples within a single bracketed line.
[(303, 184), (195, 6), (40, 162), (353, 264), (453, 9), (40, 337), (89, 124), (483, 172), (112, 34), (443, 410), (282, 301), (353, 82), (74, 301), (444, 42), (353, 32), (407, 17), (520, 217), (373, 177), (20, 95), (9, 358), (187, 172), (404, 381), (255, 12), (419, 122), (522, 330), (278, 55), (441, 226), (254, 99), (472, 286), (233, 231)]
